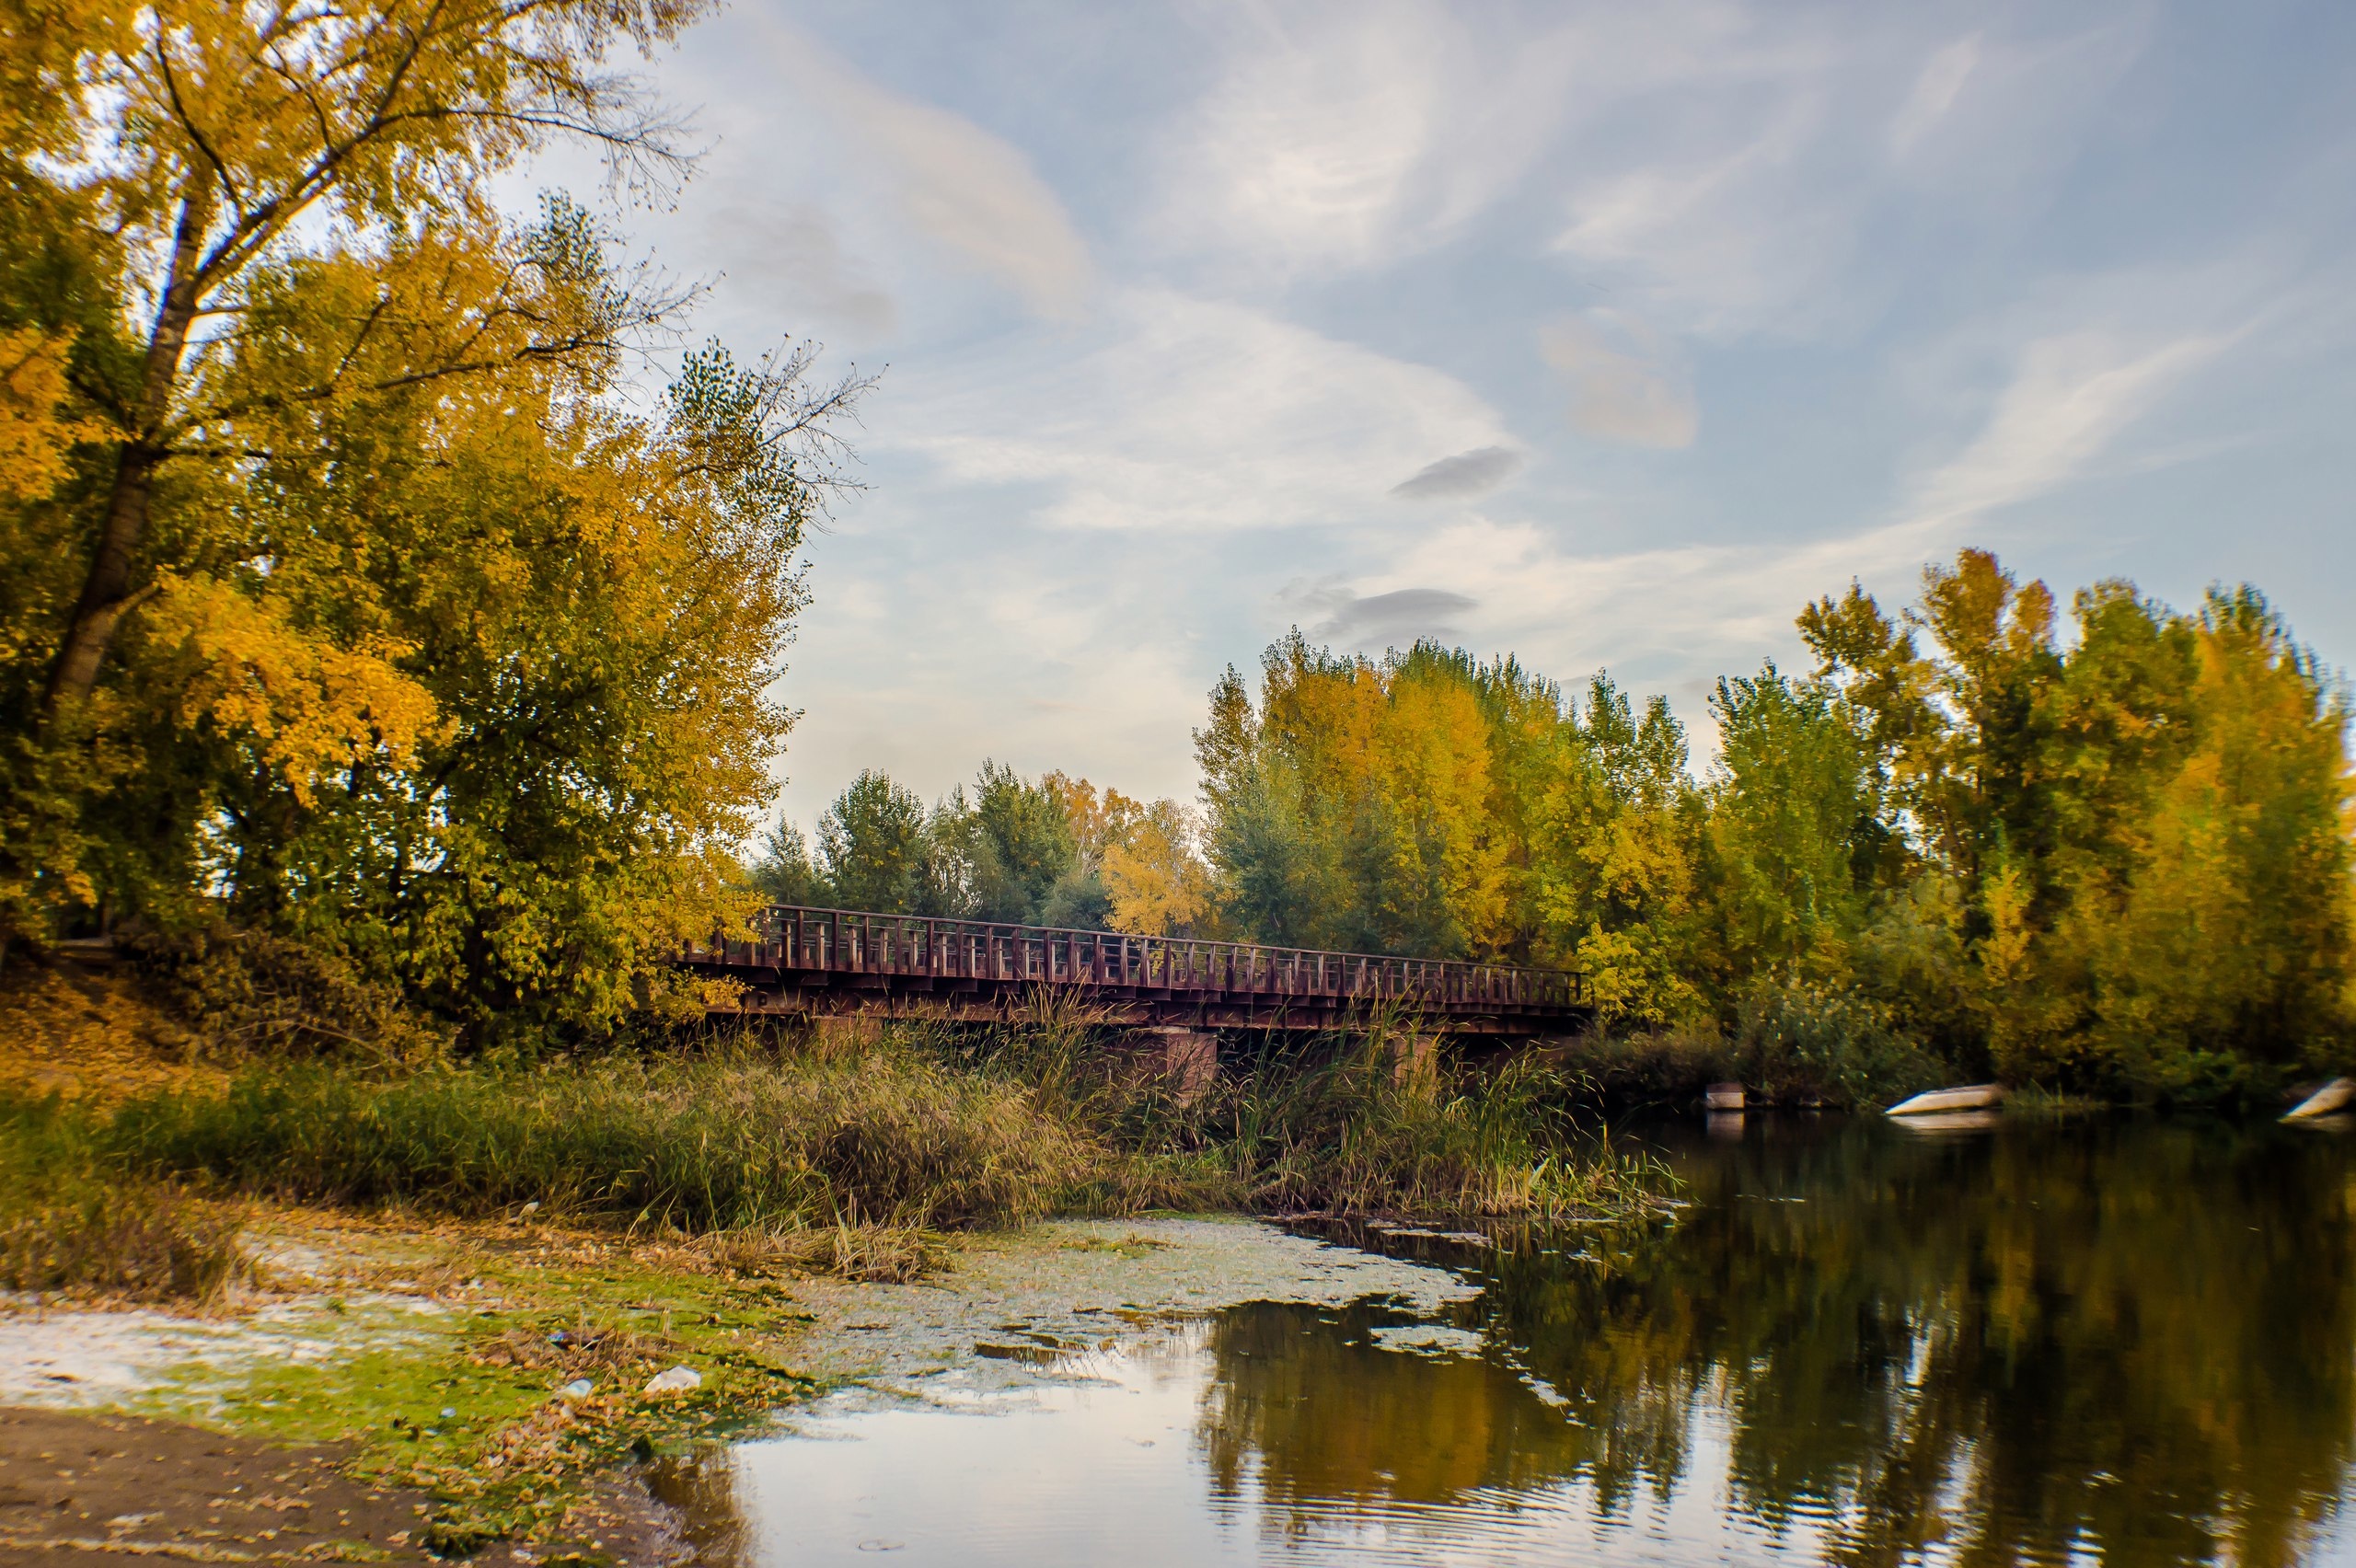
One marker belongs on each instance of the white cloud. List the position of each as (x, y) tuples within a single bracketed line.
[(1198, 416), (972, 192), (1935, 93), (1305, 152), (1355, 135), (1739, 202), (1742, 235), (2070, 396), (1625, 386)]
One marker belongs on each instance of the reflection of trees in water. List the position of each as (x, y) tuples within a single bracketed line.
[(1329, 1414), (704, 1490), (2133, 1341)]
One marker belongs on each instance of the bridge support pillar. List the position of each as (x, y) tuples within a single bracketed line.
[(1414, 1060), (1187, 1060), (845, 1035)]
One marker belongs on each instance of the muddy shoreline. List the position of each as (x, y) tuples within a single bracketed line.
[(380, 1368)]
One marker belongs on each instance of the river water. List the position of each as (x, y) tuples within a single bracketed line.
[(2110, 1341)]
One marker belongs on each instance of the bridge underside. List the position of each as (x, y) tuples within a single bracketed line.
[(773, 993)]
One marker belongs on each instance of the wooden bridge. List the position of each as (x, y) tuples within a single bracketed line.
[(823, 963)]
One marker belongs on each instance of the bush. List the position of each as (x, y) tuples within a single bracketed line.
[(1791, 1043), (1801, 1042), (252, 993), (1648, 1070)]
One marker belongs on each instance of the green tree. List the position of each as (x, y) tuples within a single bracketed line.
[(1793, 830), (873, 845), (784, 872), (1019, 846), (1613, 857)]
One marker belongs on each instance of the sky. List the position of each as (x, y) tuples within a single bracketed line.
[(1605, 335)]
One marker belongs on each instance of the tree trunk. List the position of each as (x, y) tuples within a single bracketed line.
[(107, 593)]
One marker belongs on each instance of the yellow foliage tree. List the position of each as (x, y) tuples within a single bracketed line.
[(341, 597), (221, 141), (1160, 884)]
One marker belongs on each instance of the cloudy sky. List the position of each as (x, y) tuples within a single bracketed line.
[(1608, 335)]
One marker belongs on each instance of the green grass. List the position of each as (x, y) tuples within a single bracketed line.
[(722, 1140), (838, 1163), (72, 1224)]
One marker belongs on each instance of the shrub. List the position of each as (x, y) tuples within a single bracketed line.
[(1801, 1042)]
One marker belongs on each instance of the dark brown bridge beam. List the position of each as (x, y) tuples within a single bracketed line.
[(824, 962)]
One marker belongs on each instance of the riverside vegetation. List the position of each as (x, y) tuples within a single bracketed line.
[(782, 1152)]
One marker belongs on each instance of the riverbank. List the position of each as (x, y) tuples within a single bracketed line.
[(473, 1384), (125, 1149), (471, 1278)]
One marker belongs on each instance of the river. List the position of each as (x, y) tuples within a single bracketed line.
[(2124, 1341)]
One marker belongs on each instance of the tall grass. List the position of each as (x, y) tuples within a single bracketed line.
[(722, 1140), (70, 1224), (1334, 1123), (843, 1161)]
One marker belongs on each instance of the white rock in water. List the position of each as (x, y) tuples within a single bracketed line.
[(678, 1381), (2332, 1097), (1978, 1097)]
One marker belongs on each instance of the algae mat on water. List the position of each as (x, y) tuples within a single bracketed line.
[(1010, 1302)]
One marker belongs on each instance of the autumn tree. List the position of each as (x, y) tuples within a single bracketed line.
[(1155, 877), (2145, 829), (360, 609), (220, 146)]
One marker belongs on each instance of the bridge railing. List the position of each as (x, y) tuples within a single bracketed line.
[(845, 941)]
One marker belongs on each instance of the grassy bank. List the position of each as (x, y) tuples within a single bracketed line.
[(842, 1162)]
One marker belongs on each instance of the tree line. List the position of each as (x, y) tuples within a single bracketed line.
[(355, 609), (2115, 859), (1054, 852)]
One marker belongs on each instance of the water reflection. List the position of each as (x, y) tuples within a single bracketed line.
[(2133, 1344)]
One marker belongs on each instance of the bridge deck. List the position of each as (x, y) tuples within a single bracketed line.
[(822, 961)]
